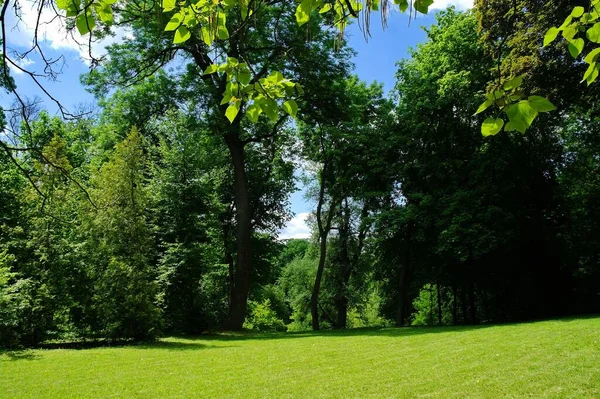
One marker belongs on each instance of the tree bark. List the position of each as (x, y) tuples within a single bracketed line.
[(323, 233), (454, 305), (472, 305), (341, 297), (401, 314), (463, 304), (243, 216), (439, 303)]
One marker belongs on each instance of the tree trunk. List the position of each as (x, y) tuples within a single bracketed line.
[(472, 305), (401, 315), (314, 299), (454, 305), (323, 233), (463, 304), (439, 303), (243, 216), (341, 297)]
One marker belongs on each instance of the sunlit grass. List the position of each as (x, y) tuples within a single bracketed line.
[(542, 360)]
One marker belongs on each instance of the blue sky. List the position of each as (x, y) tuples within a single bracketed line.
[(375, 61)]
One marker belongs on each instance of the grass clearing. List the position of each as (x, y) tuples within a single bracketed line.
[(549, 359)]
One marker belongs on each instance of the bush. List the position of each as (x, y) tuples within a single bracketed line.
[(25, 308), (125, 302), (263, 318)]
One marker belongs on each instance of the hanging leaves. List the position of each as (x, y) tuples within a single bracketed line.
[(520, 111)]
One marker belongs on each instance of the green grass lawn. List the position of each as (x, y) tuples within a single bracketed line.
[(547, 359)]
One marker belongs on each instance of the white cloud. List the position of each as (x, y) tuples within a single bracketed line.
[(460, 4), (296, 228), (52, 32), (22, 62)]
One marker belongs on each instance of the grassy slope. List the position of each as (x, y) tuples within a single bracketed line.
[(545, 359)]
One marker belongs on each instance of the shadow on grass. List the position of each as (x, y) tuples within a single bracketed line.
[(375, 332), (358, 332), (20, 355), (203, 342)]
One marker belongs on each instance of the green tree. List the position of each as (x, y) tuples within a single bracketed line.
[(119, 246)]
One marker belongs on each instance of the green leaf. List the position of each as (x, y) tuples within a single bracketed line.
[(593, 34), (591, 74), (244, 77), (550, 36), (491, 126), (63, 4), (422, 6), (207, 35), (210, 69), (303, 12), (513, 83), (181, 34), (232, 111), (174, 22), (270, 108), (168, 5), (521, 115), (488, 103), (325, 8), (222, 32), (85, 23), (519, 126), (592, 56), (577, 12), (275, 77), (569, 32), (226, 99), (540, 104), (104, 11), (253, 112), (402, 4), (291, 107), (576, 47)]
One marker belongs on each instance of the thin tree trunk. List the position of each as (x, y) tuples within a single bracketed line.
[(341, 296), (323, 233), (472, 305), (401, 311), (243, 216), (439, 303), (454, 305), (463, 304)]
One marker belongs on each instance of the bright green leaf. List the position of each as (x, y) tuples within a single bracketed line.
[(577, 12), (491, 126), (85, 23), (232, 111), (253, 112), (550, 36), (168, 5), (244, 77), (593, 34), (513, 83), (592, 56), (291, 107), (540, 104), (521, 114), (210, 69), (181, 34), (519, 126), (174, 22), (576, 47), (303, 12), (488, 103), (325, 8)]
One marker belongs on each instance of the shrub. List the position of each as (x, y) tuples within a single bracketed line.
[(263, 318)]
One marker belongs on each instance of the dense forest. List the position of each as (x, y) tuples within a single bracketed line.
[(156, 215)]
